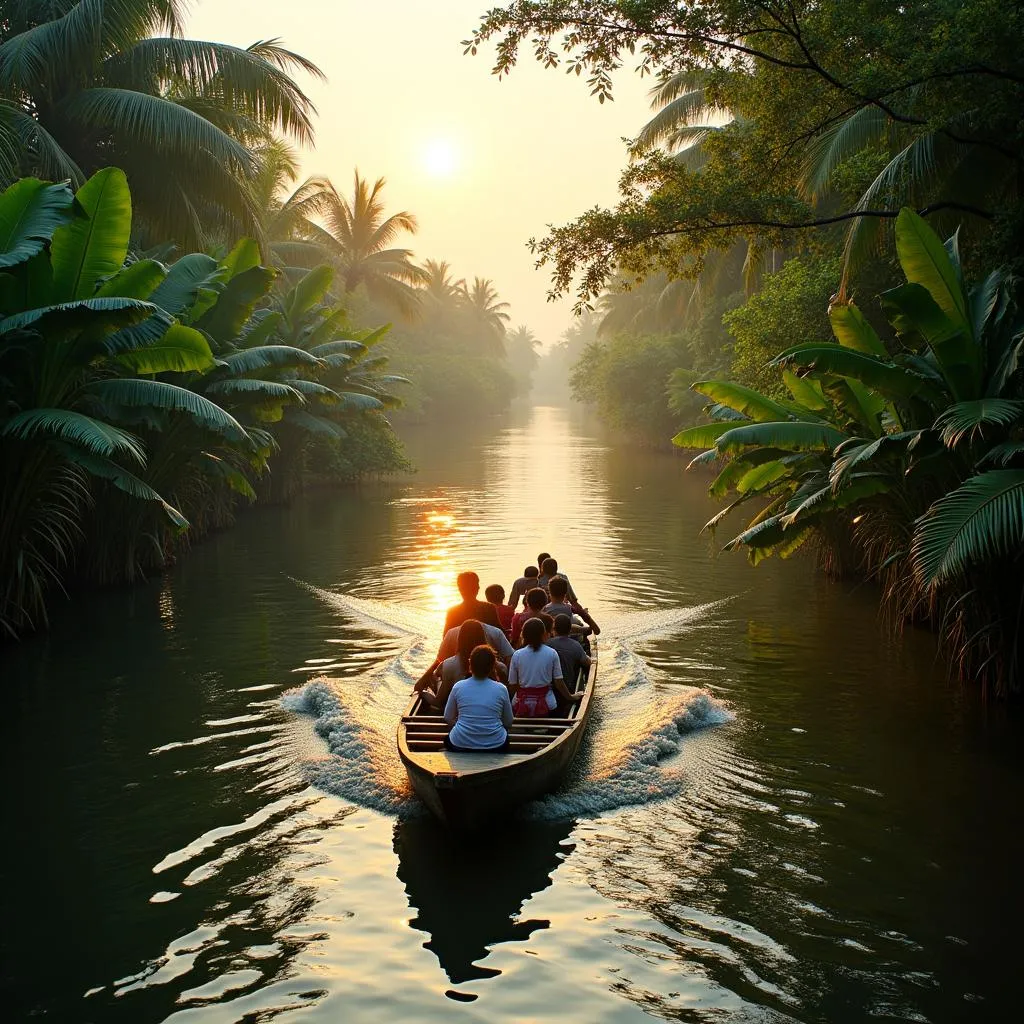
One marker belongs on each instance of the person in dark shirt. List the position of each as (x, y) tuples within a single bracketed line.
[(535, 601), (525, 582), (495, 593), (558, 588), (470, 608), (570, 651)]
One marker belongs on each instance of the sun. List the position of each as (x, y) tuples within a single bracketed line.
[(440, 158)]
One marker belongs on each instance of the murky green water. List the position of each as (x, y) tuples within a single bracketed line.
[(845, 844)]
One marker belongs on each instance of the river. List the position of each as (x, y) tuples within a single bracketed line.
[(781, 814)]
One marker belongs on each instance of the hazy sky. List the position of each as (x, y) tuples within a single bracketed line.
[(483, 164)]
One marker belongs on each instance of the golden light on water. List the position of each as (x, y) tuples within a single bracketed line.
[(438, 573)]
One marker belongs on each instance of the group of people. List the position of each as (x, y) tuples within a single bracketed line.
[(497, 662)]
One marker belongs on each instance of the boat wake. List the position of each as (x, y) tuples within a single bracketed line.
[(628, 757)]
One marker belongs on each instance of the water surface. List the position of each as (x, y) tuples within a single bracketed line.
[(781, 814)]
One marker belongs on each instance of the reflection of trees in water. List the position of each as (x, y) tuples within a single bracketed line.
[(469, 889)]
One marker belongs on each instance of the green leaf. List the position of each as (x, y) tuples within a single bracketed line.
[(791, 436), (743, 400), (703, 436), (30, 211), (893, 381), (926, 262), (308, 292), (313, 424), (857, 452), (75, 428), (225, 319), (251, 360), (356, 402), (981, 521), (244, 256), (184, 278), (966, 419), (806, 391), (105, 469), (143, 394), (853, 331), (103, 314), (956, 352), (755, 480), (89, 250), (135, 281), (271, 390), (180, 350)]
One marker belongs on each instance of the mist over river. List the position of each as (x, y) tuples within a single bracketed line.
[(780, 814)]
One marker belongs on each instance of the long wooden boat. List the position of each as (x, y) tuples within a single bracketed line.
[(465, 790)]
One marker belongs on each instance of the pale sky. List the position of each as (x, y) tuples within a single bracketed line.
[(483, 164)]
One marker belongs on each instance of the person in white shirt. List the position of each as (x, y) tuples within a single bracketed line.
[(478, 709), (535, 675)]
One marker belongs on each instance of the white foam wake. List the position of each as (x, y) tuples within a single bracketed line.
[(638, 727)]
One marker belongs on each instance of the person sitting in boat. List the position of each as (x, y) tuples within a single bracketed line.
[(563, 600), (469, 607), (523, 585), (470, 636), (495, 593), (535, 675), (535, 601), (548, 571), (494, 636), (570, 651), (478, 709), (559, 604)]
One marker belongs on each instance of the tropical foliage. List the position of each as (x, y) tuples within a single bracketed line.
[(88, 84), (902, 457), (139, 401)]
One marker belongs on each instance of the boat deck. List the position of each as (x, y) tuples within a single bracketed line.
[(466, 764)]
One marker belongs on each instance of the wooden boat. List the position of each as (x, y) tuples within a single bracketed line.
[(466, 789)]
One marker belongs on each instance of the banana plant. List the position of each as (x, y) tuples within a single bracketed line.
[(77, 328)]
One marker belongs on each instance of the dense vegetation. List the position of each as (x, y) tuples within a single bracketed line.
[(184, 325), (779, 177)]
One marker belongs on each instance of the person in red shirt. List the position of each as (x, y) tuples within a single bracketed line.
[(495, 593), (470, 608)]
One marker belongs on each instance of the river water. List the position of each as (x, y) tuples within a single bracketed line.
[(780, 814)]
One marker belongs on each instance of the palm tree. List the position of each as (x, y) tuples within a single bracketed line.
[(287, 226), (685, 118), (487, 313), (358, 238), (439, 286), (88, 85)]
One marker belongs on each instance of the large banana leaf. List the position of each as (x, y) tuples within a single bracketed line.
[(225, 319), (915, 312), (967, 419), (862, 405), (791, 437), (185, 278), (857, 452), (260, 328), (142, 394), (806, 391), (94, 315), (703, 436), (30, 211), (343, 346), (76, 429), (328, 329), (895, 382), (314, 424), (135, 281), (308, 292), (926, 262), (244, 256), (353, 401), (179, 350), (106, 469), (91, 249), (756, 479), (251, 360), (981, 521), (272, 390), (744, 400), (853, 331)]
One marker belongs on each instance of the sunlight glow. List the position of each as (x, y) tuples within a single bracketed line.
[(440, 158)]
